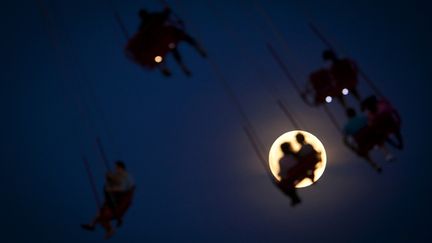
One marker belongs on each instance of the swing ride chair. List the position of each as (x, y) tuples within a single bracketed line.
[(149, 46), (323, 90), (386, 123)]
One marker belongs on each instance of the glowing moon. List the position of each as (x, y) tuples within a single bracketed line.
[(276, 154)]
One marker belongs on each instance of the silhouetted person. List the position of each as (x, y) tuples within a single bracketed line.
[(384, 118), (160, 29), (153, 20), (360, 137), (321, 83), (308, 156), (305, 149), (118, 190), (288, 182), (344, 71)]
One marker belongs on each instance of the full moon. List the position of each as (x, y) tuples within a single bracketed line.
[(276, 154)]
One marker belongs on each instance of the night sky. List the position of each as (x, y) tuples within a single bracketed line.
[(198, 178)]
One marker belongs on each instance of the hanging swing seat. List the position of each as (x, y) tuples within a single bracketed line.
[(345, 74), (322, 86), (149, 48)]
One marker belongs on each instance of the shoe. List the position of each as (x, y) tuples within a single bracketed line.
[(166, 72), (88, 227), (379, 170), (202, 52), (295, 202)]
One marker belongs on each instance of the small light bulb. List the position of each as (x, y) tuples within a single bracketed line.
[(328, 99), (158, 59), (345, 91)]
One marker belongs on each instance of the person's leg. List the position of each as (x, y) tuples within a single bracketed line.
[(292, 194), (356, 94), (91, 226), (287, 186), (388, 155), (399, 139), (397, 144), (104, 219), (191, 41), (178, 59), (372, 163), (342, 101), (164, 69)]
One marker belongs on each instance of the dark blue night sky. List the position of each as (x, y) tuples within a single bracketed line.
[(198, 177)]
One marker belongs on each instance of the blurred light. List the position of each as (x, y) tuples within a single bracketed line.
[(328, 99), (171, 45), (158, 59), (345, 91)]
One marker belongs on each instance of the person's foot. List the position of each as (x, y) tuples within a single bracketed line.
[(202, 52), (379, 170), (88, 227), (109, 234), (166, 72), (119, 222), (187, 72), (295, 202)]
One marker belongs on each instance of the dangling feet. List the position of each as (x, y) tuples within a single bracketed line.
[(378, 169), (88, 227), (185, 70), (295, 202), (201, 51), (109, 234), (166, 72)]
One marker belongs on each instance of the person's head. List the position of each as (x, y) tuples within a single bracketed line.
[(351, 112), (300, 138), (329, 55), (120, 165), (143, 13), (286, 148)]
